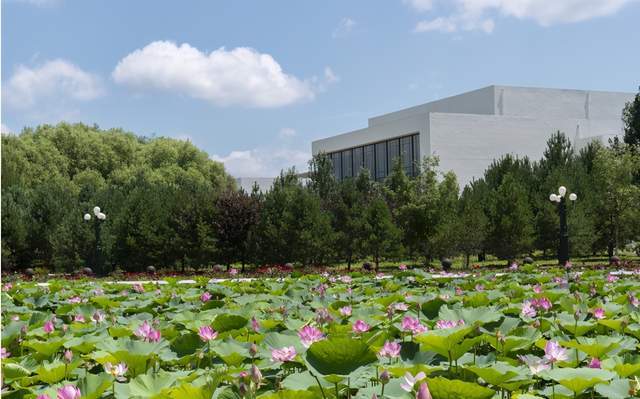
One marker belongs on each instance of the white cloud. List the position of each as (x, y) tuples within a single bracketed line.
[(287, 132), (4, 129), (263, 162), (57, 80), (241, 76), (420, 5), (480, 14), (439, 24), (330, 76), (345, 27)]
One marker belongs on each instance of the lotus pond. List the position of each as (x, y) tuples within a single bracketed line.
[(549, 334)]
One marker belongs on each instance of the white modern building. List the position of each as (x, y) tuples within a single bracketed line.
[(468, 131)]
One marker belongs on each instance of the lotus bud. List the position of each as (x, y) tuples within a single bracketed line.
[(384, 377), (256, 375), (68, 356), (253, 350), (243, 389)]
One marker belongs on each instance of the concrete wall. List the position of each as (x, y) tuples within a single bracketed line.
[(469, 130)]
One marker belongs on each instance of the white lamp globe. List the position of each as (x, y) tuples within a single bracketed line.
[(87, 217), (102, 216), (573, 196), (96, 210), (562, 191), (552, 198)]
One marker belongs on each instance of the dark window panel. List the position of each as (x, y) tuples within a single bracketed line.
[(370, 160), (347, 166), (393, 152), (406, 155), (381, 160), (358, 160), (417, 162), (337, 165)]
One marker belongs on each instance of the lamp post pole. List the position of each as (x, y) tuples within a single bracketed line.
[(561, 199), (99, 218)]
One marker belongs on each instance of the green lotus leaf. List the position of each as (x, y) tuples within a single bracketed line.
[(614, 324), (287, 394), (52, 372), (12, 371), (339, 355), (46, 348), (93, 386), (443, 341), (302, 382), (498, 373), (578, 379), (227, 322), (471, 316), (595, 347), (11, 331), (432, 307), (442, 388), (616, 389), (145, 386), (189, 391)]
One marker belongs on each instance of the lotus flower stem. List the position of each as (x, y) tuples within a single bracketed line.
[(319, 384)]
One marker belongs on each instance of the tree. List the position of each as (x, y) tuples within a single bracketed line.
[(617, 197), (511, 231), (631, 120), (322, 182), (236, 218), (381, 238), (348, 218), (472, 223)]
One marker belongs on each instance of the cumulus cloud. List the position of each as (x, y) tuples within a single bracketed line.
[(345, 27), (330, 76), (263, 162), (57, 80), (420, 5), (241, 76), (287, 132), (480, 14)]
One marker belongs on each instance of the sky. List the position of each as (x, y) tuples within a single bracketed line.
[(253, 83)]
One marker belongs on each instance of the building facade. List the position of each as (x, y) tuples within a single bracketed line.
[(468, 131)]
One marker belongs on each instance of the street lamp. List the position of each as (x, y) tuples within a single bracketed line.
[(560, 198), (99, 218)]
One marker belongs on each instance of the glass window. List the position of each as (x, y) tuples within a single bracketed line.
[(393, 152), (347, 166), (417, 162), (381, 160), (358, 160), (406, 155), (370, 160), (337, 165)]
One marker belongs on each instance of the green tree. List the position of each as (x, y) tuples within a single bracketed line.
[(236, 217), (381, 238), (631, 120), (511, 232), (472, 223)]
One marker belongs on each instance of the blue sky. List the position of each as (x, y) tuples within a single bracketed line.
[(253, 83)]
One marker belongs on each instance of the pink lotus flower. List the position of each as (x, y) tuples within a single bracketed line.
[(323, 316), (75, 299), (139, 288), (207, 333), (4, 353), (390, 350), (118, 370), (309, 334), (535, 364), (459, 291), (286, 354), (442, 324), (528, 310), (15, 317), (7, 287), (48, 326), (78, 318), (402, 267), (410, 380), (479, 287), (233, 271), (554, 352), (543, 303), (206, 296), (360, 326), (612, 278), (68, 355), (321, 289), (633, 300), (255, 374), (423, 392), (346, 279), (537, 288), (147, 333), (412, 324), (594, 363), (98, 317), (400, 307), (255, 325), (598, 313), (68, 392), (513, 267), (345, 311)]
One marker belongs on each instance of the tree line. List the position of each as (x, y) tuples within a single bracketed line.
[(169, 205)]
